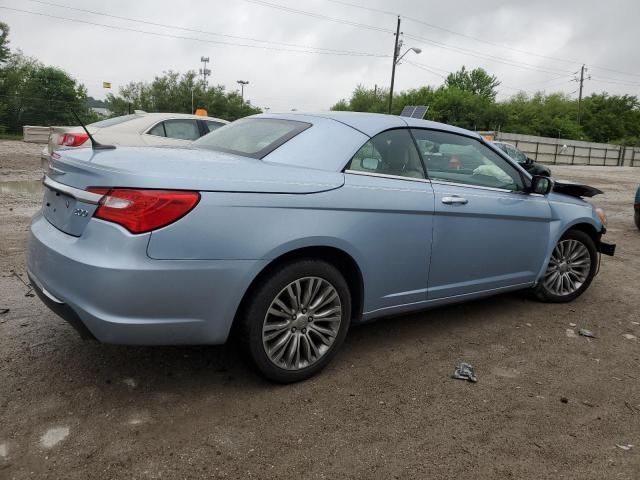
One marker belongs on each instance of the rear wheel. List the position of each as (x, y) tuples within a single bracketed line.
[(637, 218), (571, 268), (296, 320)]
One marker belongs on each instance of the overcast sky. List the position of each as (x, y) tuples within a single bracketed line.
[(529, 45)]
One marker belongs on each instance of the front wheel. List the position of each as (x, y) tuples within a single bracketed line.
[(571, 268), (297, 319)]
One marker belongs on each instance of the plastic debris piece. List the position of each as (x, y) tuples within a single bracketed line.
[(629, 336), (586, 333), (571, 333), (572, 324), (464, 371), (626, 447)]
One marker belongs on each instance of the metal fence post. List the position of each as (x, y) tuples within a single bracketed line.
[(537, 146), (555, 155), (573, 154), (606, 152), (589, 158), (621, 154)]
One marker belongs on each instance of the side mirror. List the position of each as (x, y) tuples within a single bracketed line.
[(541, 185), (370, 163)]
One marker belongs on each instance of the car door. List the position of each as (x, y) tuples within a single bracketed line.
[(391, 203), (488, 233)]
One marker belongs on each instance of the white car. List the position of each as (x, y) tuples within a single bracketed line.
[(137, 129)]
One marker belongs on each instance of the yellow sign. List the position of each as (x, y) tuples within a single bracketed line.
[(106, 84)]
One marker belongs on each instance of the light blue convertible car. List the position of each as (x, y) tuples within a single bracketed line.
[(287, 228)]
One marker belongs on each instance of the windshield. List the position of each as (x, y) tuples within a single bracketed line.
[(252, 137)]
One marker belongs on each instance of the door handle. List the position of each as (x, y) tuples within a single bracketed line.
[(454, 200)]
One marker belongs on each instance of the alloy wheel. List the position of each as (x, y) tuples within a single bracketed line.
[(302, 323), (568, 268)]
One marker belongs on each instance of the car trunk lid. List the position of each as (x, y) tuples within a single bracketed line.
[(68, 207)]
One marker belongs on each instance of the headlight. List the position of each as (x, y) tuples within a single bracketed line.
[(601, 216)]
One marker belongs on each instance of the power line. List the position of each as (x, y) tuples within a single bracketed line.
[(425, 68), (320, 16), (513, 63), (193, 30), (181, 37), (477, 39), (473, 53)]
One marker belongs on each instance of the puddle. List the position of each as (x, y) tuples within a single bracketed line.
[(30, 187)]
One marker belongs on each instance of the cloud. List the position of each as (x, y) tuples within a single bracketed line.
[(597, 33)]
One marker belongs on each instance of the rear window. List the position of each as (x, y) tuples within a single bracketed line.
[(110, 122), (252, 137)]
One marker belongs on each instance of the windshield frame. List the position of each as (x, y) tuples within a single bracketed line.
[(263, 152)]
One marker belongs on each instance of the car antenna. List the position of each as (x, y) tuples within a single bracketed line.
[(95, 145)]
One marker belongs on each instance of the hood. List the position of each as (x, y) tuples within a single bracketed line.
[(185, 169), (574, 189)]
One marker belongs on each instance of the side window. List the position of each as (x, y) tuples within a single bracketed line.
[(184, 129), (389, 153), (517, 155), (158, 130), (459, 159), (211, 125)]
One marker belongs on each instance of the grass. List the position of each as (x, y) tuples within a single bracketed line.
[(10, 136)]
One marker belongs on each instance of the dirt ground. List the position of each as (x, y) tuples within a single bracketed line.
[(546, 406)]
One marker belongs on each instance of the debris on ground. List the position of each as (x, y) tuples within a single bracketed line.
[(629, 336), (586, 333), (564, 399), (571, 333), (572, 324), (464, 371), (4, 310), (626, 447)]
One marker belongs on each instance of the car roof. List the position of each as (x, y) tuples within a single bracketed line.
[(370, 123), (161, 116)]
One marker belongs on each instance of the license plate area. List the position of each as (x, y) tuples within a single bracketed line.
[(65, 212)]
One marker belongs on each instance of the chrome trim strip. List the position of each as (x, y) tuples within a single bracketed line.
[(384, 175), (82, 195), (478, 187)]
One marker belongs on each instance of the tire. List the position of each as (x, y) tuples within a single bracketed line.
[(636, 217), (581, 242), (267, 335)]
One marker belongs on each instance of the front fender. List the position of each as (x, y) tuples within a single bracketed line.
[(566, 213)]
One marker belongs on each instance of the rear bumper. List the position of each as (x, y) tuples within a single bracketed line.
[(105, 285)]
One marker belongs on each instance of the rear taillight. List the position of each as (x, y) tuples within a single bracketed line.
[(72, 139), (141, 211)]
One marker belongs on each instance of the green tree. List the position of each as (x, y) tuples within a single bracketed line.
[(35, 94), (4, 42), (173, 92), (476, 81), (611, 118)]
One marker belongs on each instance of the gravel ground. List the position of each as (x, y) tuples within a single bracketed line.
[(547, 405)]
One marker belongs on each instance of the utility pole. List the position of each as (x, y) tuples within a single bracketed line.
[(204, 71), (396, 51), (582, 79), (242, 83)]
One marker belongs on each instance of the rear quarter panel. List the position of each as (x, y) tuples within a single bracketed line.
[(386, 229)]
